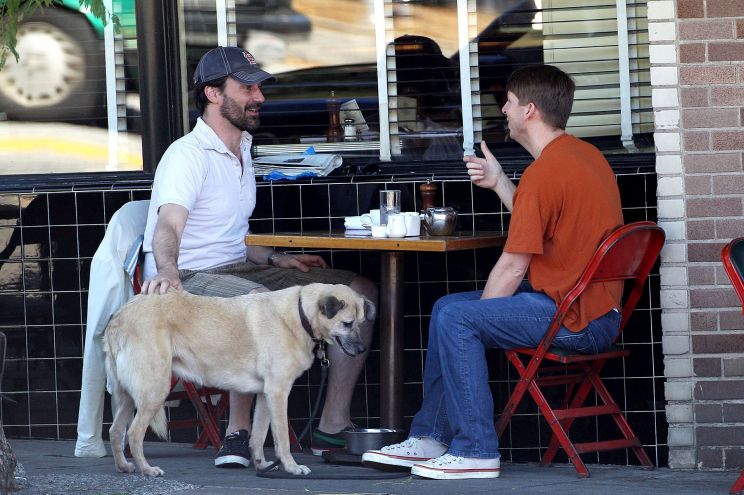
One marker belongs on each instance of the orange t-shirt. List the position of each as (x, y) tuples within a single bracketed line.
[(566, 203)]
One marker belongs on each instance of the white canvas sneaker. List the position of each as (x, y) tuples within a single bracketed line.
[(404, 454), (450, 467)]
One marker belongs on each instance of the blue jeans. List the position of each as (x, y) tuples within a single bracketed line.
[(458, 406)]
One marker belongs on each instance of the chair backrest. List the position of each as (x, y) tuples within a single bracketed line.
[(628, 253), (732, 256)]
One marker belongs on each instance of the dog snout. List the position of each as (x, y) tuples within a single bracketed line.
[(351, 344)]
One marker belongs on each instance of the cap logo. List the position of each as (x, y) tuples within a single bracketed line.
[(249, 58)]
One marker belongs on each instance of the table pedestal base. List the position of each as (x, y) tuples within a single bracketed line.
[(391, 340)]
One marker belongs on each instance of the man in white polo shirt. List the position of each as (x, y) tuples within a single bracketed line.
[(203, 195)]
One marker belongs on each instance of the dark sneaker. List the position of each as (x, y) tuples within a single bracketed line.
[(234, 452), (334, 442)]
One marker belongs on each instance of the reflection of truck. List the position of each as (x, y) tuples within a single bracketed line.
[(60, 75)]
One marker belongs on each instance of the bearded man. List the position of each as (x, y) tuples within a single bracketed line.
[(202, 198)]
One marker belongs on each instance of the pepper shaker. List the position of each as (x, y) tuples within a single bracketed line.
[(428, 191)]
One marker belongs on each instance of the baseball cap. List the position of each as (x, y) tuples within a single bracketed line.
[(229, 61)]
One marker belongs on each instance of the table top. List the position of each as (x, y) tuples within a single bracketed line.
[(340, 240)]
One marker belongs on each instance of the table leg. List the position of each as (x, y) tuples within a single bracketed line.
[(391, 340)]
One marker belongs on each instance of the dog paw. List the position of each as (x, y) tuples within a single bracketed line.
[(297, 469), (153, 471), (127, 467), (260, 464)]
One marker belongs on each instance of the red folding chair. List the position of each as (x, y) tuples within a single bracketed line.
[(628, 253), (732, 256)]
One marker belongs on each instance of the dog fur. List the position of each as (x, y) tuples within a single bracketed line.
[(250, 344)]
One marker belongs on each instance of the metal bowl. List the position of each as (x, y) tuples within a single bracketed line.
[(361, 440), (440, 221)]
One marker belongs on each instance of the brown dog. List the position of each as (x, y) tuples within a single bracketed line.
[(259, 343)]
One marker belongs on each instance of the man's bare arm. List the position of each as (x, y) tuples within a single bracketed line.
[(165, 245), (506, 275)]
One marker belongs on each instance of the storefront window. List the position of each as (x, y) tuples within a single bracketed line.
[(391, 67)]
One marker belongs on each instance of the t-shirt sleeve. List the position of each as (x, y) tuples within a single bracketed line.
[(533, 216), (179, 178)]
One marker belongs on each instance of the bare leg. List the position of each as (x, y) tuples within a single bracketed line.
[(345, 370), (240, 412)]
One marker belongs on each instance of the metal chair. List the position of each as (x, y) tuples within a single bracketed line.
[(627, 254), (732, 256)]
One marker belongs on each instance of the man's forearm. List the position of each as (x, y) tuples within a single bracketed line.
[(259, 254), (506, 275), (165, 248), (505, 190)]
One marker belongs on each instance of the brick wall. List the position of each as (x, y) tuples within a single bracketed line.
[(697, 74)]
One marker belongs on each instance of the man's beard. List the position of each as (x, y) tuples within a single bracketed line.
[(235, 114)]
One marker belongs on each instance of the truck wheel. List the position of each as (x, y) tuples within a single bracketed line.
[(60, 74)]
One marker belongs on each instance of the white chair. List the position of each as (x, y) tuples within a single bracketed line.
[(110, 287)]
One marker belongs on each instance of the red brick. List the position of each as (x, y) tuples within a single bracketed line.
[(733, 367), (709, 458), (704, 251), (694, 97), (710, 118), (701, 275), (714, 207), (712, 163), (728, 184), (688, 9), (717, 343), (697, 185), (721, 277), (691, 53), (740, 28), (708, 413), (701, 321), (709, 29), (733, 413), (731, 320), (727, 95), (728, 228), (701, 229), (696, 141), (728, 140), (706, 366), (714, 298), (725, 8), (719, 390), (720, 52), (719, 74)]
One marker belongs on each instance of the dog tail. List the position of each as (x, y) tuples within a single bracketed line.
[(159, 424)]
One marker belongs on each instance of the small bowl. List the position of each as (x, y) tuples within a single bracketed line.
[(361, 440)]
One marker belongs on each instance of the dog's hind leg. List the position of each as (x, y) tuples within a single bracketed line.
[(136, 434), (277, 404), (124, 411), (261, 421)]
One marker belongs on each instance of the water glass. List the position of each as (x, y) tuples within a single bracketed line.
[(389, 204)]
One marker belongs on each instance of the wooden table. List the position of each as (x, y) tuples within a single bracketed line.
[(391, 300)]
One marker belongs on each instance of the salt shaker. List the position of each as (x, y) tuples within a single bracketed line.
[(350, 133)]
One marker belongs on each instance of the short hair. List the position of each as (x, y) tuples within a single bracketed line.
[(548, 87), (200, 99)]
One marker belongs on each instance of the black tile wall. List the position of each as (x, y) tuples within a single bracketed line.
[(48, 239)]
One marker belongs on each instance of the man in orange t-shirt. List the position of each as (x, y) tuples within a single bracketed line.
[(566, 203)]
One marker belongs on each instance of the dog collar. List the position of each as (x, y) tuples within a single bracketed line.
[(306, 322)]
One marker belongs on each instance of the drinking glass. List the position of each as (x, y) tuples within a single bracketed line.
[(389, 204)]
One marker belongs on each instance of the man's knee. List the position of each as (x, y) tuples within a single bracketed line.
[(365, 287)]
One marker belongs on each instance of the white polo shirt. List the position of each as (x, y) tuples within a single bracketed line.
[(199, 173)]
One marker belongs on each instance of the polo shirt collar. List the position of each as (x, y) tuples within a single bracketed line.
[(209, 140)]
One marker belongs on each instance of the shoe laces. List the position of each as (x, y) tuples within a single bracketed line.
[(409, 443), (446, 460)]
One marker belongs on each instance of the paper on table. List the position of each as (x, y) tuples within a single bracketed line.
[(293, 164)]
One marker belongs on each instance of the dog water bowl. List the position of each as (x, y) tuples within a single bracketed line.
[(363, 439)]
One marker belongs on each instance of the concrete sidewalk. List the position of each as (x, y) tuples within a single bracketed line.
[(51, 468)]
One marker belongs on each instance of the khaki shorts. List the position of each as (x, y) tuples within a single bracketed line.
[(241, 278)]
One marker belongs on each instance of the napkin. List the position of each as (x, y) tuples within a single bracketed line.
[(354, 223)]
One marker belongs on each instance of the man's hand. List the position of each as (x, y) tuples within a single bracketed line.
[(301, 262), (487, 173), (159, 284)]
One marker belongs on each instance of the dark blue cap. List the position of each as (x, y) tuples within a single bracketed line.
[(229, 61)]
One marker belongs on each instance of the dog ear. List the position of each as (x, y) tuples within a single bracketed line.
[(369, 309), (329, 306)]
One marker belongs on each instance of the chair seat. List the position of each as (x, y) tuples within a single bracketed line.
[(565, 356)]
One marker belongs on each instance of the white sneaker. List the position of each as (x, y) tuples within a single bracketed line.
[(450, 467), (404, 454)]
